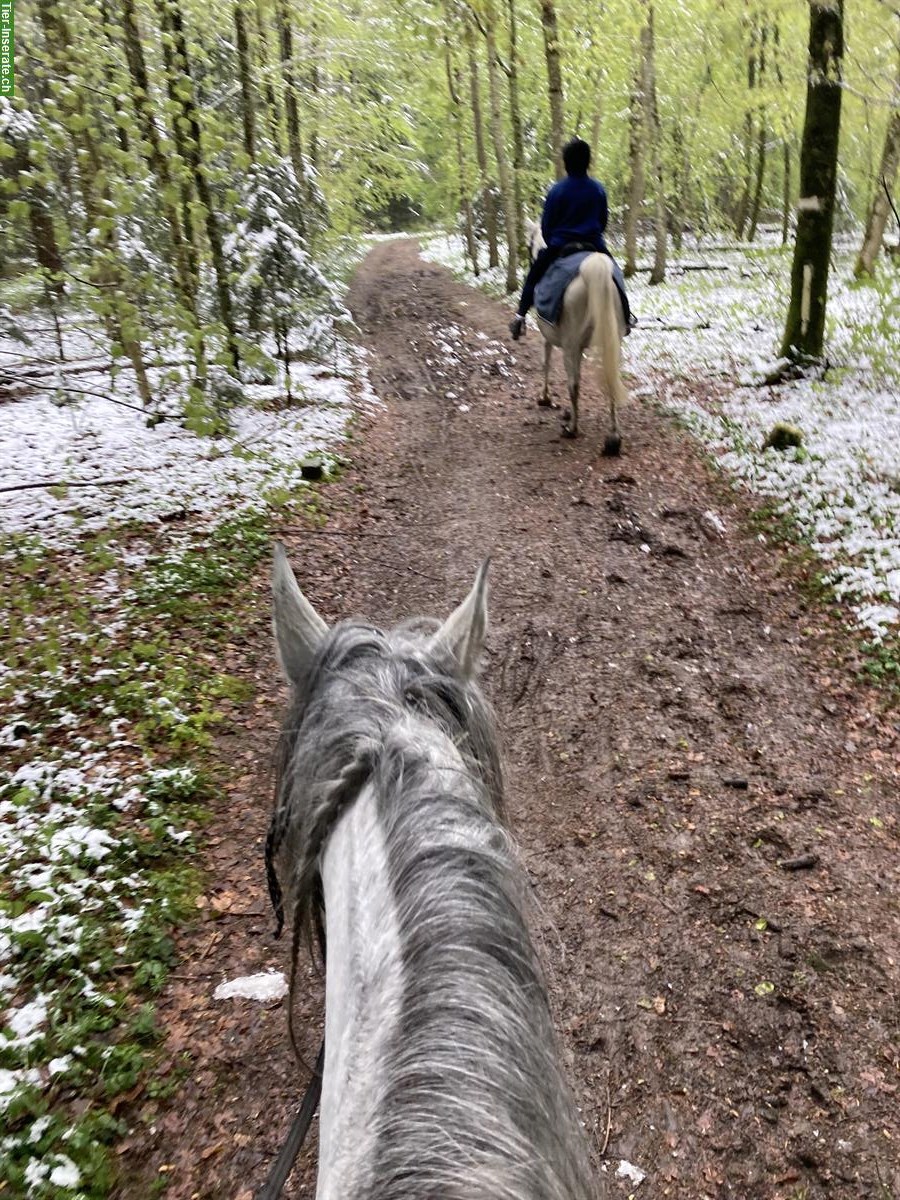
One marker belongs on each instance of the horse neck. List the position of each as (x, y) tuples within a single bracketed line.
[(365, 977), (435, 1010)]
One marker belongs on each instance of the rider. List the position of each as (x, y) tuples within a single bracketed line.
[(575, 215)]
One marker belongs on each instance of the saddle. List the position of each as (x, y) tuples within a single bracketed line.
[(549, 293)]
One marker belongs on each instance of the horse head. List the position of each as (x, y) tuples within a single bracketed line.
[(534, 238)]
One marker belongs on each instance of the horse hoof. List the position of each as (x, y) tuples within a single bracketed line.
[(545, 402), (612, 445), (568, 431)]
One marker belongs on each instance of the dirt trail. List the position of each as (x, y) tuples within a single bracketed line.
[(675, 729)]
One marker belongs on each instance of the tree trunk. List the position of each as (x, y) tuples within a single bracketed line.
[(681, 189), (158, 162), (487, 192), (515, 121), (314, 84), (118, 313), (108, 28), (637, 134), (40, 224), (180, 140), (43, 239), (248, 114), (552, 55), (465, 201), (761, 141), (880, 210), (804, 333), (292, 112), (507, 194), (170, 14), (654, 128), (786, 194), (785, 145), (265, 67), (743, 208)]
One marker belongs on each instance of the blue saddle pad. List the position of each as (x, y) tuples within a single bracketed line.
[(549, 293)]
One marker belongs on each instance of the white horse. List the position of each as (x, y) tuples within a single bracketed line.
[(592, 318), (442, 1075)]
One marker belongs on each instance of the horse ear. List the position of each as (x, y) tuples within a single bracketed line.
[(299, 629), (464, 630)]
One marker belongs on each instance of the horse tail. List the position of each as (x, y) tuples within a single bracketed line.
[(606, 338)]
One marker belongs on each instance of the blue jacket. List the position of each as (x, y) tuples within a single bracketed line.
[(576, 210)]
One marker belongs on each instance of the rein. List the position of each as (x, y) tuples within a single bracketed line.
[(296, 1135), (293, 1143)]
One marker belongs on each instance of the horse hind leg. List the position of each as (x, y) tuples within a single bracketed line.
[(612, 444), (545, 401), (573, 375)]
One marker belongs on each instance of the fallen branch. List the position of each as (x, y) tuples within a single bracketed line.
[(62, 483), (648, 323), (804, 862), (674, 268)]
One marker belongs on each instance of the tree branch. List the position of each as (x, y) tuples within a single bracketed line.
[(66, 483), (890, 200)]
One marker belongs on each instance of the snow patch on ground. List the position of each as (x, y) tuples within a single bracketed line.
[(268, 985), (134, 473)]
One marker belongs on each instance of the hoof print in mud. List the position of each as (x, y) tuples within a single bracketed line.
[(612, 446)]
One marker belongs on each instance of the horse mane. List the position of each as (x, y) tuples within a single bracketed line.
[(473, 1099), (335, 734)]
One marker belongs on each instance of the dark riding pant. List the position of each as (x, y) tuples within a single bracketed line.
[(536, 273)]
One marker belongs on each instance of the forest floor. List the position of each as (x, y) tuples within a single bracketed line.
[(704, 795)]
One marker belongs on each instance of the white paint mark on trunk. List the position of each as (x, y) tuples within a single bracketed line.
[(806, 298)]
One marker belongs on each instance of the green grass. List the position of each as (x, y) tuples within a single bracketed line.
[(73, 672)]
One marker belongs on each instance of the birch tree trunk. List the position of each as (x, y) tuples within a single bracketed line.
[(487, 191), (553, 58), (804, 333), (887, 173)]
